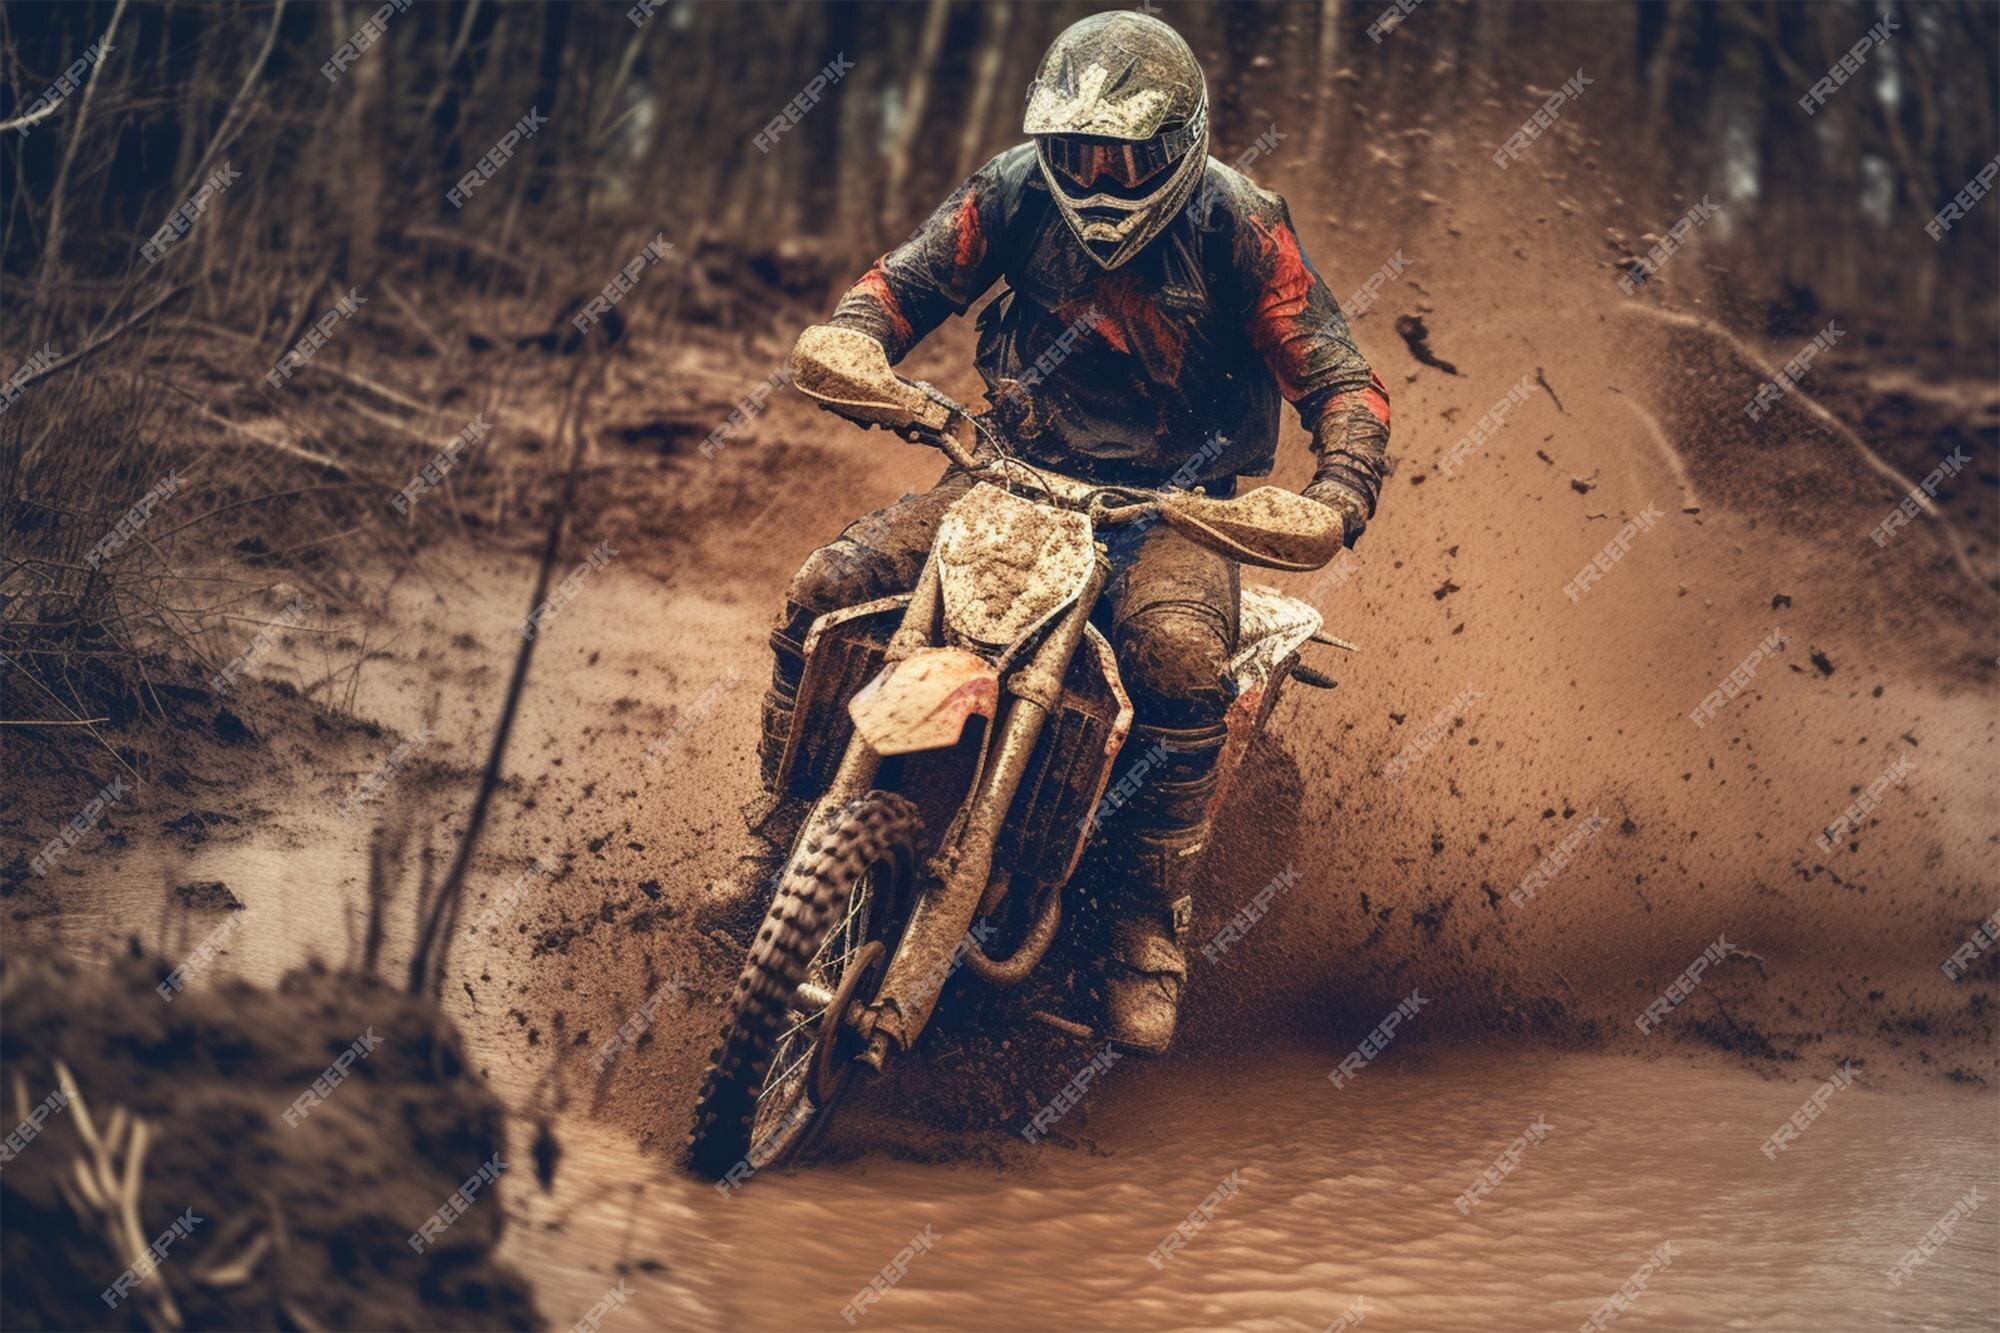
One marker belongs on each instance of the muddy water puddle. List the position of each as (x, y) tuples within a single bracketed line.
[(1321, 1201), (294, 906), (1329, 1198)]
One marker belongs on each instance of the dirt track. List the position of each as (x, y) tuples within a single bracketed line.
[(1580, 708), (1577, 708)]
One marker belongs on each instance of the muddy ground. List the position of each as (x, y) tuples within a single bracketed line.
[(1578, 708)]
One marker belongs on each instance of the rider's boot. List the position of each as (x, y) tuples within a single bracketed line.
[(773, 818), (1153, 902), (781, 696)]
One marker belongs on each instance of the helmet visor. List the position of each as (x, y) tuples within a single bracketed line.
[(1089, 163)]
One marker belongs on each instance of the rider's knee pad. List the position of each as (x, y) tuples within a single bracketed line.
[(838, 574), (1174, 658)]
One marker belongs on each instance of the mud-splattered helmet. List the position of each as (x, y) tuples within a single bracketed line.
[(1119, 114)]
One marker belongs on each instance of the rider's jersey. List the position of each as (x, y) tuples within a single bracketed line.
[(1168, 367)]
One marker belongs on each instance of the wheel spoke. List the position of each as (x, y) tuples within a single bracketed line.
[(790, 1052), (809, 1018), (848, 935), (842, 943), (785, 1079)]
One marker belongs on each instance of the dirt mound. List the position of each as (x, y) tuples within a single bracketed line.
[(272, 1224)]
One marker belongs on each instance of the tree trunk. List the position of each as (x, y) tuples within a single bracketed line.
[(915, 103)]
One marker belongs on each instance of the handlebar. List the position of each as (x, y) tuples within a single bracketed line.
[(988, 460), (848, 372)]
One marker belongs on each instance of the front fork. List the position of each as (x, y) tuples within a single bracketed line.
[(939, 919)]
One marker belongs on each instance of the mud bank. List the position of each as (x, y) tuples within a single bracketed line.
[(285, 1207)]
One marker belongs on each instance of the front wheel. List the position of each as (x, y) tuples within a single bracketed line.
[(776, 1071)]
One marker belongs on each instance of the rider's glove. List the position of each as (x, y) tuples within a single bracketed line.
[(1335, 495), (1351, 443)]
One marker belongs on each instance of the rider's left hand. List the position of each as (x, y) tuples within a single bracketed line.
[(1345, 506)]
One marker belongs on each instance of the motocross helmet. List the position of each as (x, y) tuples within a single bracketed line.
[(1119, 114)]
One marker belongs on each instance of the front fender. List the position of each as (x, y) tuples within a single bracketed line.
[(922, 702)]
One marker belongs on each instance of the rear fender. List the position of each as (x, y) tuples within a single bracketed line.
[(1274, 629)]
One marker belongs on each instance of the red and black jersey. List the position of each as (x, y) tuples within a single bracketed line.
[(1179, 355)]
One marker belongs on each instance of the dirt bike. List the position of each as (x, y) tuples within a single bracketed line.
[(956, 741)]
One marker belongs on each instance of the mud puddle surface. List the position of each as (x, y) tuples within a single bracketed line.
[(1333, 1197), (1318, 1198)]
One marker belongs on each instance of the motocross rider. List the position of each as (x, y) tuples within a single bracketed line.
[(1156, 305)]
